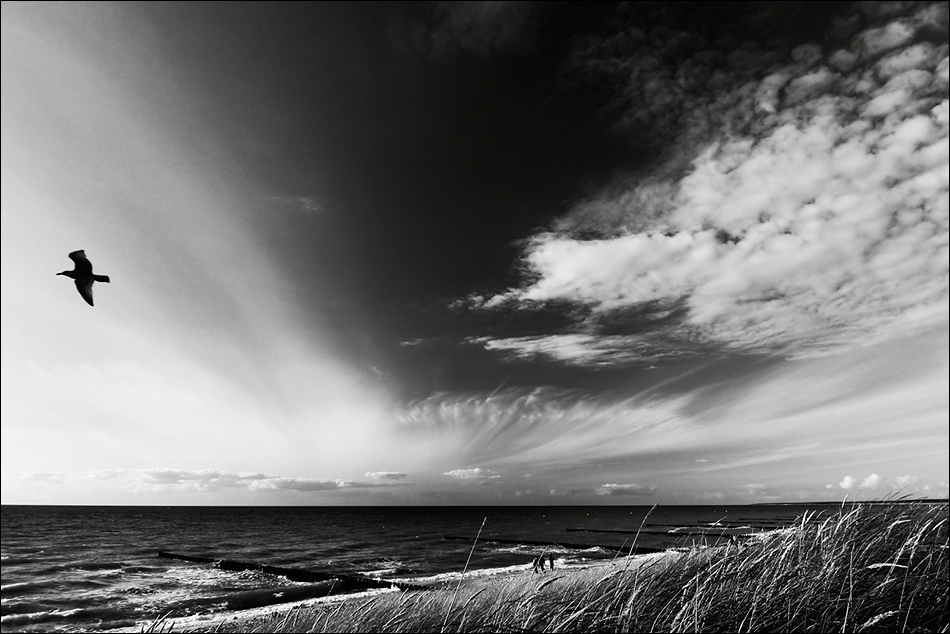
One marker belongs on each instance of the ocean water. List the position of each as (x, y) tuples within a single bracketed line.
[(77, 568)]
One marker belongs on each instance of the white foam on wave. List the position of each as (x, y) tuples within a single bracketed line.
[(211, 619), (382, 572), (44, 615)]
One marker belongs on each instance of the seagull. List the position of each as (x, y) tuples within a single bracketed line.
[(83, 275)]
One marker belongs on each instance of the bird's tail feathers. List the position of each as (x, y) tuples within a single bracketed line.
[(101, 278)]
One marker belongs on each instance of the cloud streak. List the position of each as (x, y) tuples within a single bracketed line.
[(211, 480), (386, 475), (625, 490), (41, 476)]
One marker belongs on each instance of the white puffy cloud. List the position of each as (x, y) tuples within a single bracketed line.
[(870, 482), (847, 483), (476, 473), (816, 219), (886, 37), (906, 480), (923, 55)]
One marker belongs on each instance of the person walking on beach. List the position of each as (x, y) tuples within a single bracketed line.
[(551, 560), (538, 563)]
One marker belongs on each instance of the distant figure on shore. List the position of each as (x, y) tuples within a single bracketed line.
[(551, 560), (539, 563), (82, 273)]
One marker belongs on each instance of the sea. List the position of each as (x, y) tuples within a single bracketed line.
[(83, 568)]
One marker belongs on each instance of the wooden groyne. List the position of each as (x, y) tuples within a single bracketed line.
[(341, 583), (637, 550)]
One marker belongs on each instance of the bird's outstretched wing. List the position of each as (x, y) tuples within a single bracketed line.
[(85, 289), (83, 265)]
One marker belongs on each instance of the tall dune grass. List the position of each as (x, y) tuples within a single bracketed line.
[(872, 568)]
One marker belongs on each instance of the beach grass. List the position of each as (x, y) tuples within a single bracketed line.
[(880, 567)]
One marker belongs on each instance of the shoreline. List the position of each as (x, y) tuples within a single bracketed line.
[(251, 618), (849, 572)]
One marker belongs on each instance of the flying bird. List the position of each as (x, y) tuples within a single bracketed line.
[(82, 273)]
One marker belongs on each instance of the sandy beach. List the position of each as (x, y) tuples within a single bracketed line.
[(253, 619)]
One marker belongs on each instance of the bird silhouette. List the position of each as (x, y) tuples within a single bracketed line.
[(82, 273)]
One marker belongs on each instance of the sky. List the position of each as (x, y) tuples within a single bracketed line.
[(511, 253)]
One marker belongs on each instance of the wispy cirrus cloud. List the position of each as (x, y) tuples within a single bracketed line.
[(538, 426), (813, 418), (869, 483)]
